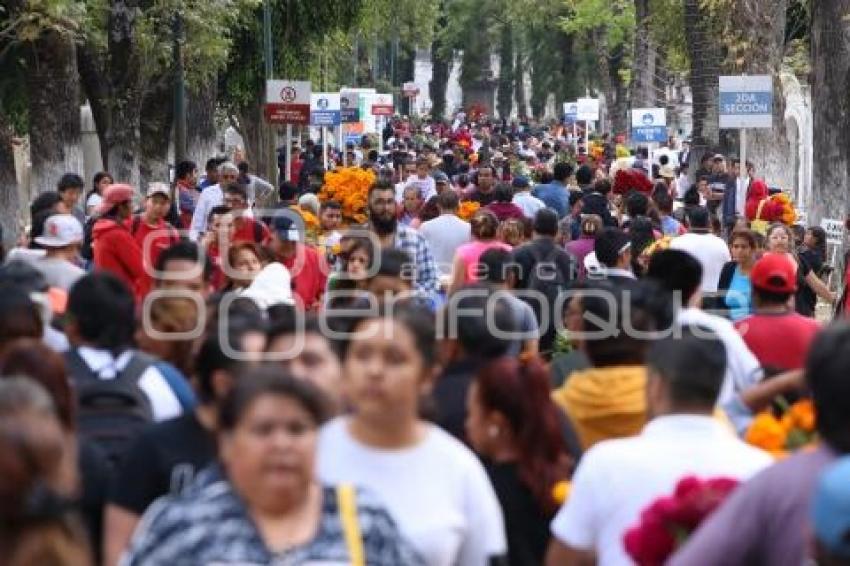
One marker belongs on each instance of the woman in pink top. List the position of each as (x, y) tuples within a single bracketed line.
[(484, 227)]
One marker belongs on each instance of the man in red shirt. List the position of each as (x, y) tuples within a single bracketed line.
[(308, 267), (779, 337), (245, 228), (150, 230)]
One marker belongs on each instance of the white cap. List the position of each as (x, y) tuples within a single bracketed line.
[(60, 230), (158, 188)]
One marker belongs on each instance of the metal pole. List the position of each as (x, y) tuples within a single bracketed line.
[(339, 144), (179, 93), (268, 59), (324, 134), (288, 152)]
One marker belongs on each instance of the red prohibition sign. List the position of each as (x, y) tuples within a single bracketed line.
[(287, 94)]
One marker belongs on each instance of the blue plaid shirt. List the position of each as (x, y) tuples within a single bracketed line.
[(417, 247)]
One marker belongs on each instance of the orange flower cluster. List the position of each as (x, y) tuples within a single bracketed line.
[(467, 209), (792, 430), (596, 150), (350, 187), (783, 203)]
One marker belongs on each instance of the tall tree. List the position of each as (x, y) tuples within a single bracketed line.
[(45, 35), (705, 59), (441, 58), (505, 91), (9, 200), (643, 93), (831, 108)]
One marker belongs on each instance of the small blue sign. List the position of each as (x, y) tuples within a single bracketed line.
[(353, 138), (650, 134), (746, 103), (325, 118)]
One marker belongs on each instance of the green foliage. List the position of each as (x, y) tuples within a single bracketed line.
[(615, 17)]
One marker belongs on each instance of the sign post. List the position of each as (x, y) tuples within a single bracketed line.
[(649, 125), (382, 105), (349, 114), (587, 111), (288, 102), (411, 91), (325, 111), (746, 101), (571, 115)]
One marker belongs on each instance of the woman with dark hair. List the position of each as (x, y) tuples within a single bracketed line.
[(780, 239), (502, 205), (434, 487), (813, 252), (485, 230), (642, 235), (591, 224), (266, 506), (734, 286), (30, 358), (37, 520), (94, 197), (514, 426), (348, 283)]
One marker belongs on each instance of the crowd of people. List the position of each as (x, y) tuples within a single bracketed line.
[(530, 341)]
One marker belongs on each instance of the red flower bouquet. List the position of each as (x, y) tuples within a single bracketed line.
[(668, 522), (626, 180)]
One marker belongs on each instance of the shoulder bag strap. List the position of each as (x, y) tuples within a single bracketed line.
[(347, 502)]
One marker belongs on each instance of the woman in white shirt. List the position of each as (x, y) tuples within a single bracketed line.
[(434, 487), (94, 197)]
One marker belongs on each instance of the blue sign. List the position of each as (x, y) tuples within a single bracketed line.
[(353, 138), (746, 103), (570, 112), (649, 134), (350, 104), (325, 118)]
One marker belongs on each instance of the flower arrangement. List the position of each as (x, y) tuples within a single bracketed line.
[(793, 428), (662, 243), (596, 150), (467, 209), (631, 179), (785, 208), (349, 186), (666, 524)]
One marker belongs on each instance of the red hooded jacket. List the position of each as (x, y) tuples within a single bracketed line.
[(116, 251)]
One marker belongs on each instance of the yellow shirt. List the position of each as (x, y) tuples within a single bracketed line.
[(604, 403)]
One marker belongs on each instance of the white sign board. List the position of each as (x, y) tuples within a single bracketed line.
[(287, 102), (649, 125), (588, 109), (382, 104), (288, 92), (746, 101), (325, 109)]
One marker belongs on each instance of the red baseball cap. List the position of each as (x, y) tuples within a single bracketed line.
[(775, 273), (114, 195)]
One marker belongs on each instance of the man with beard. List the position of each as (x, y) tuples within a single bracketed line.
[(383, 220), (482, 190)]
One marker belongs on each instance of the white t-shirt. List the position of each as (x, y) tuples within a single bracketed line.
[(445, 234), (712, 253), (529, 203), (743, 369), (617, 479), (210, 198), (437, 491), (93, 202)]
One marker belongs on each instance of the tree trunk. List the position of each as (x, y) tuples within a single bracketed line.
[(505, 91), (10, 209), (124, 78), (831, 109), (201, 131), (53, 90), (440, 65), (643, 94), (257, 135), (704, 53), (600, 44), (155, 127), (519, 86), (763, 24), (619, 108)]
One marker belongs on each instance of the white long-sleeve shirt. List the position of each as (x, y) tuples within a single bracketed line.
[(210, 197)]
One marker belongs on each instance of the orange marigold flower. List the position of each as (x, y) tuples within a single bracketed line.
[(802, 414), (766, 432), (467, 209), (561, 491)]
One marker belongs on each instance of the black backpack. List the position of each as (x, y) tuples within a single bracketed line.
[(547, 279), (86, 251), (111, 412)]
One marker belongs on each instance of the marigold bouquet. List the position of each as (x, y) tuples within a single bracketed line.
[(467, 209), (666, 524), (793, 428), (349, 186)]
